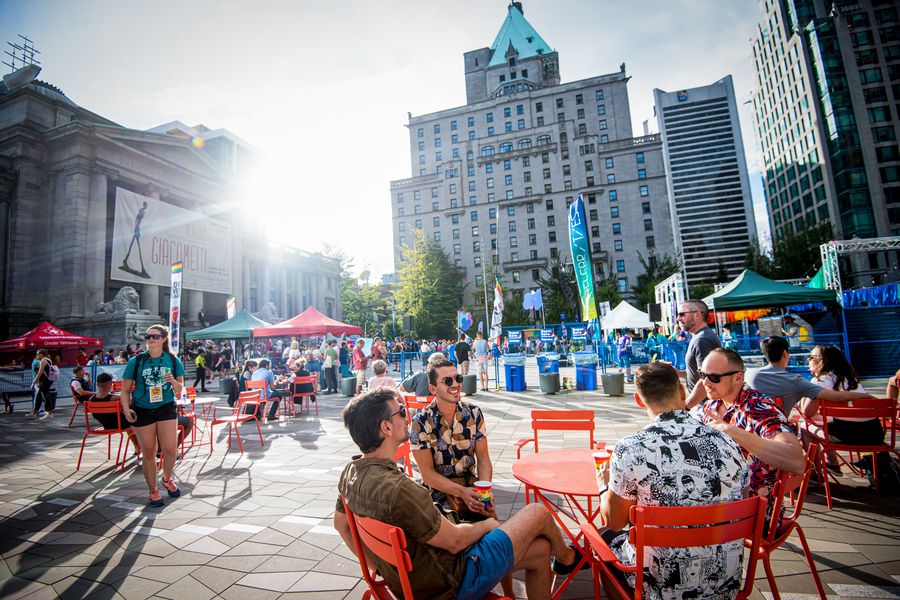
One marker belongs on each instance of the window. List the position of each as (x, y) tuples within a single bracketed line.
[(401, 227), (492, 213), (639, 158), (474, 230), (516, 276), (421, 132), (514, 256), (490, 183), (592, 214), (476, 246), (507, 111), (551, 220), (623, 285), (604, 139), (421, 146), (473, 216), (617, 245), (535, 274), (489, 117), (456, 234), (651, 242), (549, 205), (471, 136), (546, 173), (437, 236), (489, 168), (617, 228), (645, 191), (642, 173), (472, 186), (487, 151), (601, 124), (648, 224), (455, 153), (552, 236), (490, 131), (610, 163), (452, 188), (588, 165), (592, 198), (520, 124), (567, 170), (554, 253), (418, 223), (524, 144), (402, 241), (490, 197), (477, 261), (454, 219), (620, 266), (559, 103), (506, 147), (548, 187), (474, 200), (611, 178), (560, 116), (532, 239), (493, 229), (543, 140), (599, 95), (434, 192), (613, 195), (512, 225), (540, 121), (526, 176), (511, 211), (454, 139), (601, 109), (470, 170), (437, 128), (436, 221), (529, 208), (513, 241), (438, 156), (645, 208), (509, 194), (452, 125), (421, 159), (579, 113), (614, 212), (507, 126), (417, 195), (508, 179), (507, 164), (437, 142)]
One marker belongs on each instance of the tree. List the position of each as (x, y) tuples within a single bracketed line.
[(699, 291), (362, 303), (430, 288), (606, 285), (796, 254), (559, 291), (759, 260), (656, 268)]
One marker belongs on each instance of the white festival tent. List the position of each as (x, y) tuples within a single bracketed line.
[(625, 316)]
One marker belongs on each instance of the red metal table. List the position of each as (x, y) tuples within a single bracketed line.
[(570, 474)]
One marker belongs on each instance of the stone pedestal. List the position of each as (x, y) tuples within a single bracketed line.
[(117, 329)]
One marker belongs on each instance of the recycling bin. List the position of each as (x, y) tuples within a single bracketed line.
[(548, 362), (585, 370), (514, 369)]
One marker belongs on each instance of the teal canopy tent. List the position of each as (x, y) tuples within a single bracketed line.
[(752, 290), (238, 327)]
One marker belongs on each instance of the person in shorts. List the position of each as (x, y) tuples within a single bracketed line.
[(150, 384), (482, 359), (360, 362)]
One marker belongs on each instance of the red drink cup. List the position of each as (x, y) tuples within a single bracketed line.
[(485, 495), (601, 457)]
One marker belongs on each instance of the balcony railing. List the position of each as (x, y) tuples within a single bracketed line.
[(414, 181)]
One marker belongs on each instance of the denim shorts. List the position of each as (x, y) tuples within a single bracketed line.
[(149, 416), (485, 565)]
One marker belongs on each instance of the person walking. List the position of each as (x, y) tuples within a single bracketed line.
[(41, 385), (330, 366), (200, 363), (150, 384)]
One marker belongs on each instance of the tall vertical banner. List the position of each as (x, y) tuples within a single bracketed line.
[(497, 315), (231, 306), (581, 260), (175, 308)]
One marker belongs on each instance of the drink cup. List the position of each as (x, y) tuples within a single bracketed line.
[(601, 457), (485, 494)]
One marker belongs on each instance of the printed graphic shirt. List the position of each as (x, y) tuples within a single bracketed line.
[(153, 373), (678, 461), (452, 444)]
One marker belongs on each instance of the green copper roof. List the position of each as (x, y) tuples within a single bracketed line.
[(519, 33)]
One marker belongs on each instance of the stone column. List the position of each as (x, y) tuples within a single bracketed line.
[(244, 299), (283, 308), (263, 291), (298, 292), (95, 253), (194, 304)]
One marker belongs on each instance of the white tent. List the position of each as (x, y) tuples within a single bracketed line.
[(625, 316)]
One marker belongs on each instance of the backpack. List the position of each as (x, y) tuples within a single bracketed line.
[(53, 373)]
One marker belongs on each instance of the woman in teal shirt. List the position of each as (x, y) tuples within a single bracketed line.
[(150, 384)]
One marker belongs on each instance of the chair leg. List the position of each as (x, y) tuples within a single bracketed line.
[(74, 412), (81, 453), (108, 447), (119, 451), (210, 437), (809, 560), (875, 469), (258, 430), (237, 434), (773, 586), (824, 472)]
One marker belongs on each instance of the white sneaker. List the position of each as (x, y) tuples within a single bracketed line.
[(45, 417), (30, 415)]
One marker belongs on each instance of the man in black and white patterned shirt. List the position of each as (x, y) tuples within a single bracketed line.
[(674, 461)]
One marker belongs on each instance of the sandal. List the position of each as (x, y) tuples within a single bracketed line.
[(171, 488), (561, 568)]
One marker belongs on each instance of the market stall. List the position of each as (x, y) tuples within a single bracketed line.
[(309, 323)]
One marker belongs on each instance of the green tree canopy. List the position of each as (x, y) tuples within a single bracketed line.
[(656, 268)]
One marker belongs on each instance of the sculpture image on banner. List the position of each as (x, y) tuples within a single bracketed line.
[(149, 236)]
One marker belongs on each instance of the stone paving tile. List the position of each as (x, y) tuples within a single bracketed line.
[(258, 525)]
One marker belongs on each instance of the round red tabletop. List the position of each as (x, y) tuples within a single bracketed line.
[(568, 471)]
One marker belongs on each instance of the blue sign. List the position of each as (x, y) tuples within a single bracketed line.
[(547, 335), (579, 334), (682, 95), (514, 337)]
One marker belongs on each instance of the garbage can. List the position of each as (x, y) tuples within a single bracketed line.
[(514, 369), (226, 384), (348, 386), (585, 370), (549, 382), (548, 362), (613, 383), (469, 384)]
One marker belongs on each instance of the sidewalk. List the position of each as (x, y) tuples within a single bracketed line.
[(259, 525)]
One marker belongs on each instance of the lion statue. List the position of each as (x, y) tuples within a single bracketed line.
[(268, 313), (126, 301)]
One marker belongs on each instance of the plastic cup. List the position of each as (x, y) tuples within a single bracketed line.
[(485, 494), (601, 457)]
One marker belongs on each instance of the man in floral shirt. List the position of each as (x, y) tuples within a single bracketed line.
[(752, 419)]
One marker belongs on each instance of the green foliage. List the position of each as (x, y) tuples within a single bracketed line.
[(656, 268), (363, 304), (795, 254), (699, 291), (606, 286), (430, 289), (559, 291)]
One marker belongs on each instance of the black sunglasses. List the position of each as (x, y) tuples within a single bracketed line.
[(687, 312), (401, 412), (448, 381), (716, 377), (154, 336)]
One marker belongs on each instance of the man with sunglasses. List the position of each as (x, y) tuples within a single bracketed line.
[(750, 418), (692, 316), (449, 561)]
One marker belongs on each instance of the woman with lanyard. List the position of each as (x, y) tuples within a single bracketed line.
[(150, 384)]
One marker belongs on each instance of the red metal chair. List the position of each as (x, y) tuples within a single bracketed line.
[(413, 402), (403, 453), (559, 420), (247, 401), (795, 486), (104, 408), (667, 527), (79, 401), (389, 544), (883, 409), (263, 388), (304, 396), (116, 386)]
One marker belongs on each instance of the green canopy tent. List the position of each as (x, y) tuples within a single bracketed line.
[(238, 327), (752, 290)]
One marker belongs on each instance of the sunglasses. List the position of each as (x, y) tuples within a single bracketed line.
[(810, 357), (716, 377), (448, 381), (401, 412), (154, 336), (687, 312)]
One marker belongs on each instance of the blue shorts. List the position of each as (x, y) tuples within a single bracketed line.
[(485, 565)]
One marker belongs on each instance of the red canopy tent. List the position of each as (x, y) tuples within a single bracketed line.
[(309, 323), (46, 335)]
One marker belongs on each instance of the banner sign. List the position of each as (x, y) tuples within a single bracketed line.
[(149, 236), (463, 320), (581, 259), (547, 335), (175, 308), (231, 307), (514, 337), (579, 334), (497, 314)]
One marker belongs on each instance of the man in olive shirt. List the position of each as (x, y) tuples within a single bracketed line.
[(449, 561)]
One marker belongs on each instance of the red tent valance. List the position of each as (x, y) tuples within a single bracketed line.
[(47, 335), (307, 324)]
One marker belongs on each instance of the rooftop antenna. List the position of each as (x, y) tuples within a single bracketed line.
[(23, 64)]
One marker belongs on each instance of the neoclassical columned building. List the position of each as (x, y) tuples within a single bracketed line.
[(88, 207)]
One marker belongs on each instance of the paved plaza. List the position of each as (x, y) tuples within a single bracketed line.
[(259, 525)]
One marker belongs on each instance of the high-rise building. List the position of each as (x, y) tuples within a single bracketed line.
[(826, 106), (706, 171), (491, 180)]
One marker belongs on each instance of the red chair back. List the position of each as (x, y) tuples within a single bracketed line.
[(795, 486), (111, 407), (308, 380), (403, 453), (562, 420), (413, 402), (257, 385), (884, 409), (116, 386)]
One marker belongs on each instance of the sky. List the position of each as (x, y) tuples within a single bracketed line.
[(322, 89)]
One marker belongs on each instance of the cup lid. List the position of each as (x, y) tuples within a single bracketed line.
[(482, 484)]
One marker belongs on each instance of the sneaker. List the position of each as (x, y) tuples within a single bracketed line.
[(565, 569), (155, 499), (46, 416), (171, 488), (30, 415)]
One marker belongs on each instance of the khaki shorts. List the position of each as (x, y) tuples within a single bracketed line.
[(464, 367), (482, 364), (361, 377)]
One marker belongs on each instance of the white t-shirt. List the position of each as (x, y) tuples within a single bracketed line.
[(827, 382)]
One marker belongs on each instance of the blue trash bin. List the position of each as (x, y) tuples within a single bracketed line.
[(548, 363), (514, 369), (585, 370)]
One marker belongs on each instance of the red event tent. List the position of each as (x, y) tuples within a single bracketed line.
[(47, 335), (307, 324)]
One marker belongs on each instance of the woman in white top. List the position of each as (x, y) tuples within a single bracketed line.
[(831, 370), (380, 368)]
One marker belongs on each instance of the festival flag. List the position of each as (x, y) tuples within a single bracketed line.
[(463, 320), (581, 259), (175, 308), (497, 315), (231, 307)]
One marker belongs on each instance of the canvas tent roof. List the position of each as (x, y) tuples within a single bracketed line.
[(308, 323), (752, 290), (238, 327), (625, 316), (47, 335)]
